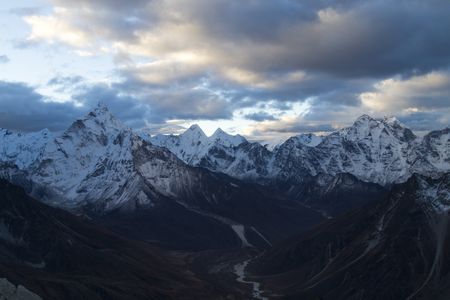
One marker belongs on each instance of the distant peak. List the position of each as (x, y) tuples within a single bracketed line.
[(227, 139), (100, 109), (194, 129), (364, 118), (393, 121), (219, 131), (101, 118)]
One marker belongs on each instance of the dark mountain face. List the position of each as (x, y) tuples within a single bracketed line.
[(211, 216), (396, 248), (333, 195), (59, 256)]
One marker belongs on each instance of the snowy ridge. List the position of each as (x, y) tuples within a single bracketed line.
[(98, 157), (193, 145), (22, 149), (434, 193), (309, 139), (382, 151), (100, 164), (220, 152), (372, 150)]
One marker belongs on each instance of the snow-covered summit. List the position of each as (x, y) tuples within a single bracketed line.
[(309, 139), (382, 151), (373, 150), (225, 139), (192, 146)]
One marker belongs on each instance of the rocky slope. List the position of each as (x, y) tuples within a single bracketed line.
[(56, 255), (396, 248)]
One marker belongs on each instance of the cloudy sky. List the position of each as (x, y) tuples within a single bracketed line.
[(265, 69)]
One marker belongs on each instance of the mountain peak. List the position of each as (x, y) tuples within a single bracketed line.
[(363, 119), (100, 119), (194, 129), (309, 139), (227, 139), (193, 137), (219, 131), (391, 120), (100, 110)]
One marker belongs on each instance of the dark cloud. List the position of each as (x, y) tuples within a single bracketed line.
[(188, 104), (65, 80), (344, 38), (26, 11), (4, 59), (22, 108), (302, 127), (125, 107), (360, 38), (203, 59), (260, 116), (426, 121)]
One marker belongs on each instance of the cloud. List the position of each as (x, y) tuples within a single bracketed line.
[(65, 81), (426, 121), (202, 59), (4, 59), (428, 91), (22, 108), (26, 11), (260, 116), (351, 38)]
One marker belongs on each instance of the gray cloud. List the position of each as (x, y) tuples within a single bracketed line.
[(23, 109), (205, 59), (25, 11), (65, 81), (4, 59), (260, 116), (426, 121), (352, 38)]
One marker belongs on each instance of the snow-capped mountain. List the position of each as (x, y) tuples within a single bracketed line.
[(22, 149), (372, 150), (189, 146), (221, 152), (432, 155), (193, 145), (100, 167), (382, 151), (97, 161)]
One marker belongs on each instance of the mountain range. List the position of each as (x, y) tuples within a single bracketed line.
[(382, 151), (317, 207)]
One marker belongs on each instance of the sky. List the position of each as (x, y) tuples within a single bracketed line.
[(263, 69)]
